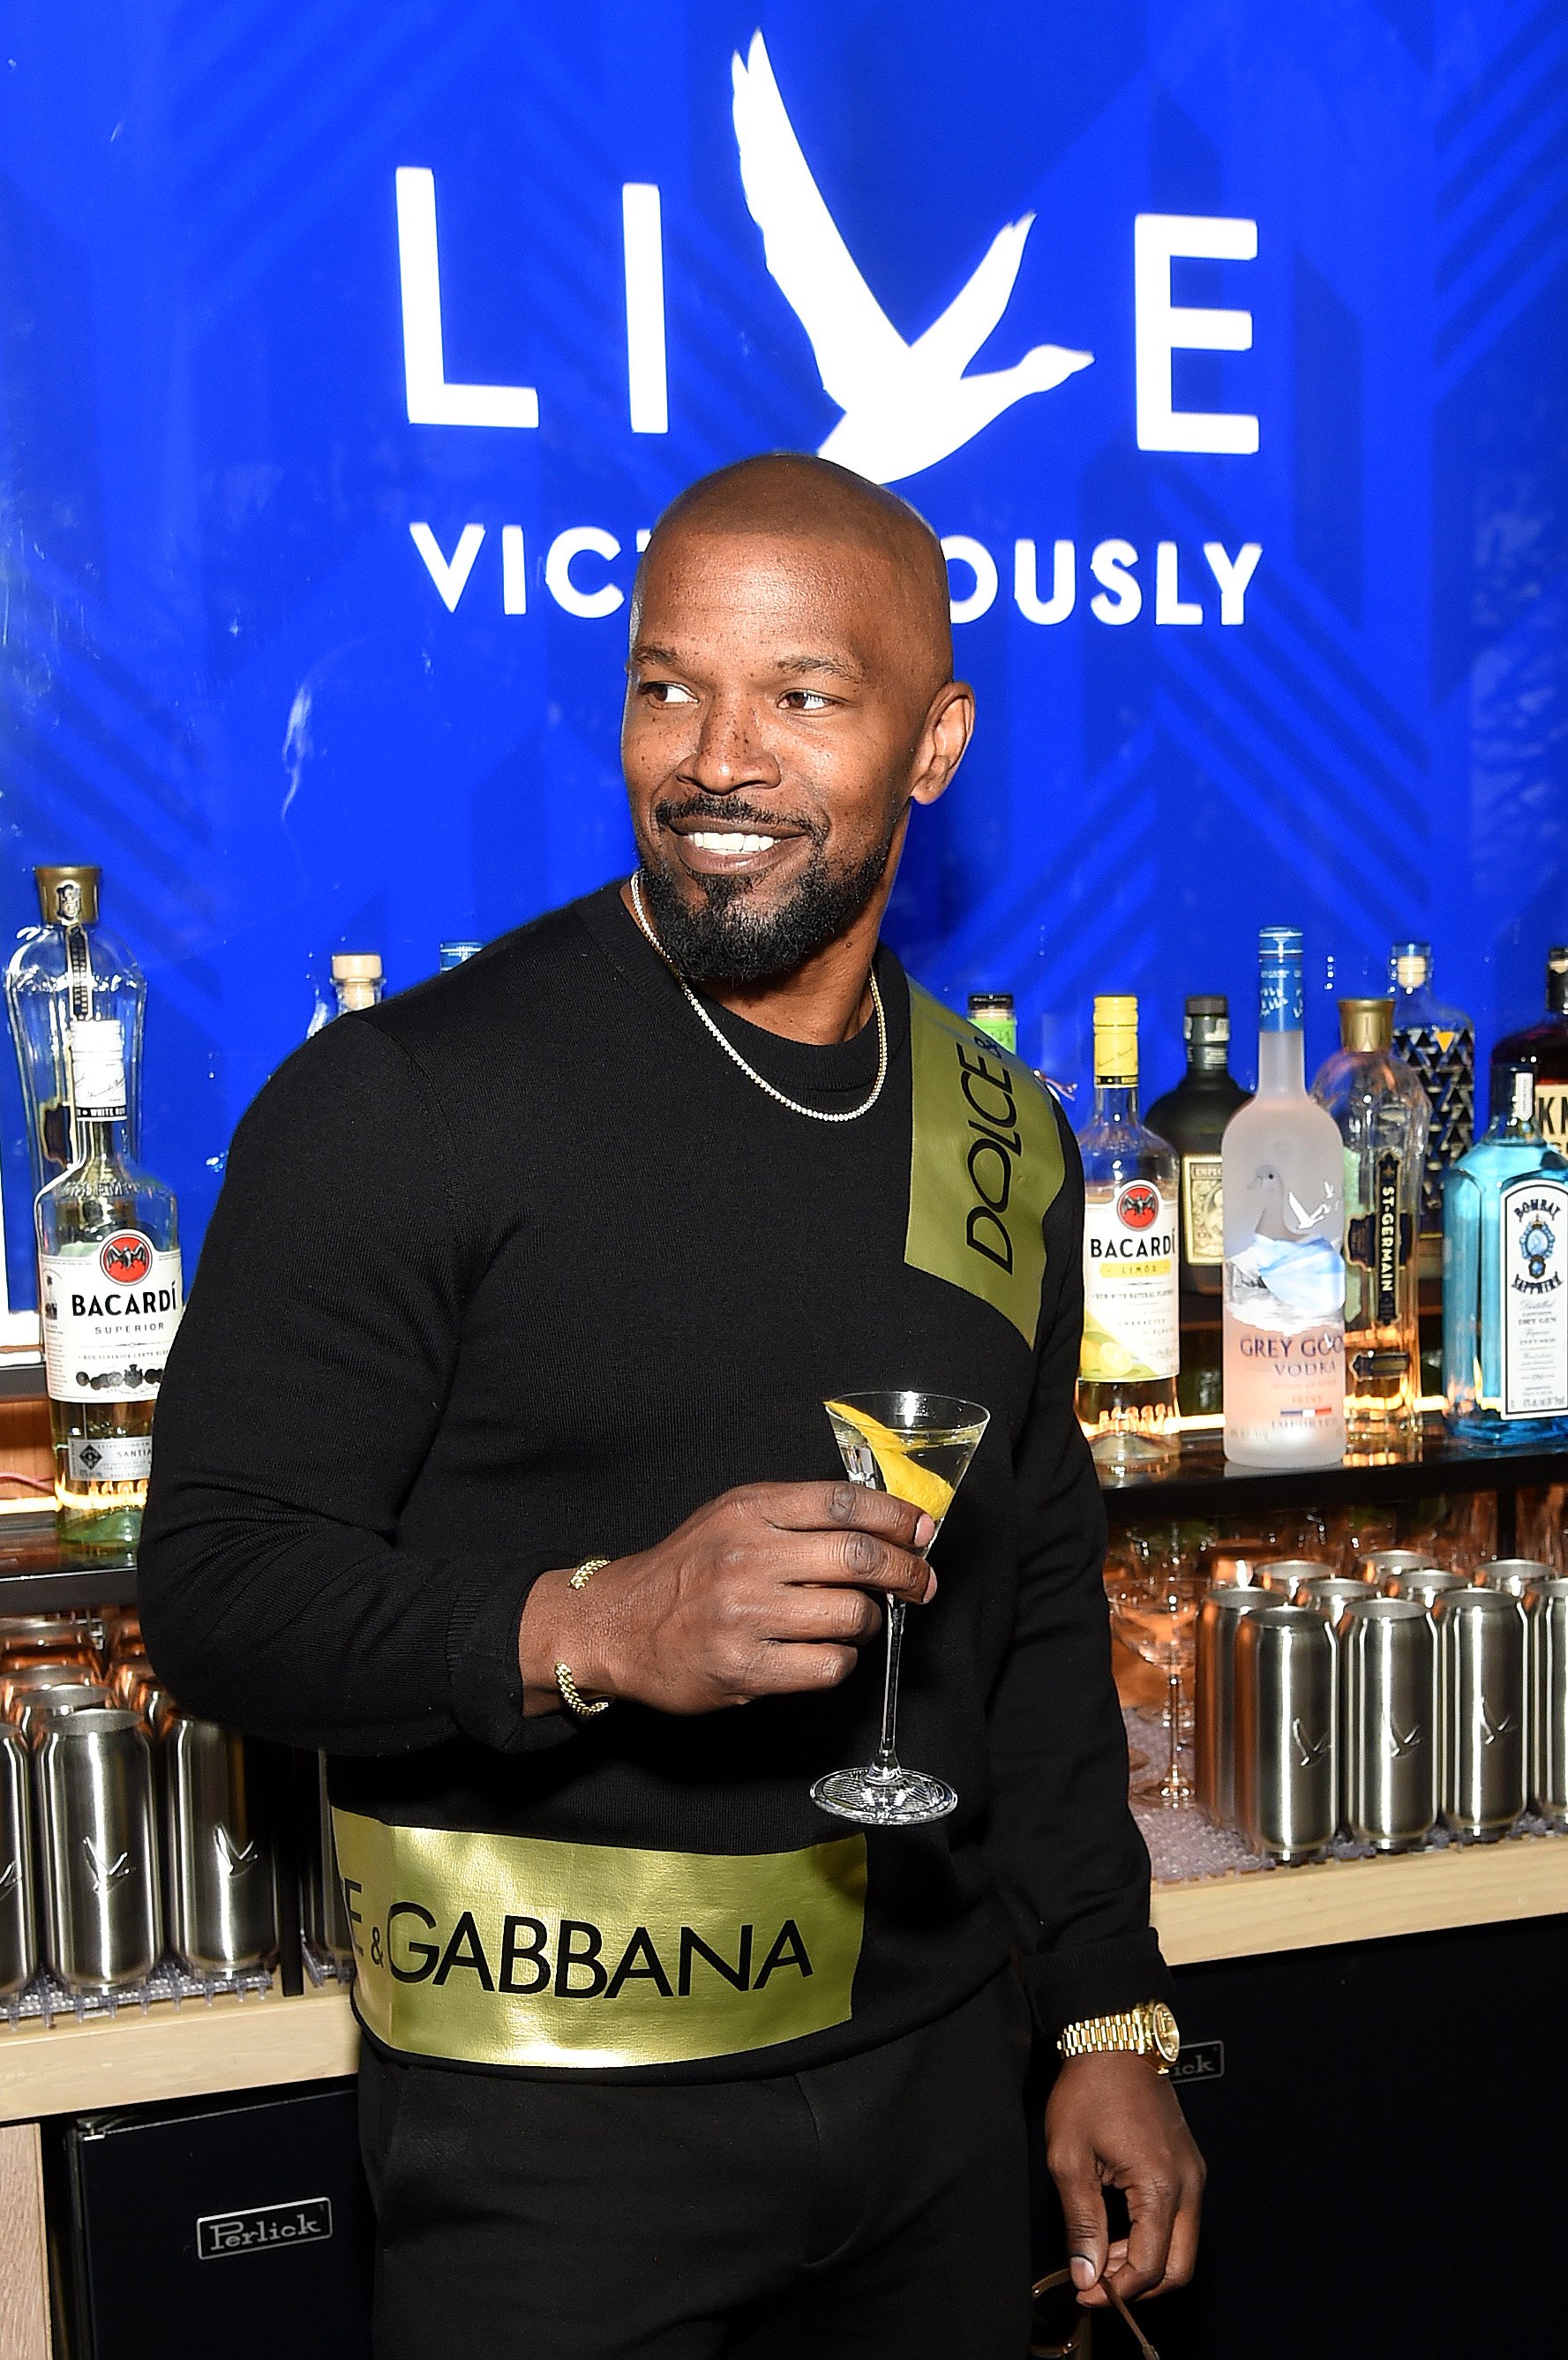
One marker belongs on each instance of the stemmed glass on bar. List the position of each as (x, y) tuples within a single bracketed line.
[(918, 1447), (1156, 1612)]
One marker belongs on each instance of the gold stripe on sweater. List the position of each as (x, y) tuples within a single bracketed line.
[(498, 1950)]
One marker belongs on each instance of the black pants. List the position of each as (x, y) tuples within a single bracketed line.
[(873, 2210)]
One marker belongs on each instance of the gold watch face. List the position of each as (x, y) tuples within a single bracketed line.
[(1166, 2038)]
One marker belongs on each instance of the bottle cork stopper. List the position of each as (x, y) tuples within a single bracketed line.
[(356, 967)]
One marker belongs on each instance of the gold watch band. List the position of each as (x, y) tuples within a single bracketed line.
[(1148, 2030)]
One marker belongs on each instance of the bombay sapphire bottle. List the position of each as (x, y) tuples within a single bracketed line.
[(1284, 1238), (1505, 1282)]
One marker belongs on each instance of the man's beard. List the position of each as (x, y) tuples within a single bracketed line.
[(725, 938)]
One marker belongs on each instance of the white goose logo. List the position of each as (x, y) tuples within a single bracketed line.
[(105, 1873), (904, 406), (234, 1859)]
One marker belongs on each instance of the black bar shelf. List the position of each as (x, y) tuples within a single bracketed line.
[(1201, 1483), (38, 1576)]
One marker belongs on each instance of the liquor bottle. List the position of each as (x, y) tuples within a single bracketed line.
[(70, 970), (993, 1012), (1439, 1046), (1505, 1282), (357, 982), (1284, 1235), (1381, 1112), (110, 1294), (1192, 1116), (1544, 1049), (456, 955), (1132, 1349)]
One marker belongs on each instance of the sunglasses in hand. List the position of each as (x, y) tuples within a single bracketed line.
[(1058, 2321)]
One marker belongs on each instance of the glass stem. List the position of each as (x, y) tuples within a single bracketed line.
[(886, 1759), (1173, 1707)]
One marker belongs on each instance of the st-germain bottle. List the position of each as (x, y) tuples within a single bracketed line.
[(1542, 1048), (110, 1296), (1438, 1044), (1131, 1349), (1505, 1282), (1284, 1234), (1380, 1109), (62, 972)]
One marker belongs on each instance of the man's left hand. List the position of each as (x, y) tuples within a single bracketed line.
[(1112, 2120)]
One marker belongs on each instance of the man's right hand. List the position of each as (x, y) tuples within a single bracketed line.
[(769, 1590)]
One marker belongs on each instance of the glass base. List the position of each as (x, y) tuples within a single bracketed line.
[(874, 1797)]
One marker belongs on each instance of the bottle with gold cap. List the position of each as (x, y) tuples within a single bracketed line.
[(357, 982), (70, 969), (1131, 1349), (1380, 1109)]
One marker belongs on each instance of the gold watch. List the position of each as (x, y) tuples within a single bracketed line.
[(1148, 2030)]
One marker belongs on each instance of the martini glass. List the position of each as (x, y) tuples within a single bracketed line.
[(918, 1447)]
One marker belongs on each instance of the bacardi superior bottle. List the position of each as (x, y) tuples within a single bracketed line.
[(1284, 1239), (1132, 1342), (110, 1296)]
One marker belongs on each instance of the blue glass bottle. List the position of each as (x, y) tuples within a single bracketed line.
[(1505, 1282)]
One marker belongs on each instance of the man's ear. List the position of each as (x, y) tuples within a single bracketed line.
[(949, 726)]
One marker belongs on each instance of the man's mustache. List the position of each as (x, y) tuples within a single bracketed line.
[(726, 812)]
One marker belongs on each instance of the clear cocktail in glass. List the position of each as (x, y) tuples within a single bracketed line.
[(917, 1446)]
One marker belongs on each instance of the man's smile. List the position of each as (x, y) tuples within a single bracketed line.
[(708, 851)]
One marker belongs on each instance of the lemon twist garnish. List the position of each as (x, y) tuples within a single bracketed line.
[(923, 1487)]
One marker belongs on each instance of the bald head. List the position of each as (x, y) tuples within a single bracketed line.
[(792, 497), (789, 695)]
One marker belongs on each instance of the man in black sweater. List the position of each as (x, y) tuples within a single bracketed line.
[(492, 1458)]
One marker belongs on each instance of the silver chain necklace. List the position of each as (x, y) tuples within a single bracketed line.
[(813, 1114)]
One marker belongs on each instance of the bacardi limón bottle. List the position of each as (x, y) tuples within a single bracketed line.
[(110, 1296), (1131, 1350)]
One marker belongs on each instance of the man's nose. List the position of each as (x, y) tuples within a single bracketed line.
[(730, 751)]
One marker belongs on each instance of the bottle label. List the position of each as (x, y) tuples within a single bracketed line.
[(109, 1457), (1533, 1213), (1551, 1110), (1379, 1241), (1131, 1329), (109, 1315), (1203, 1210)]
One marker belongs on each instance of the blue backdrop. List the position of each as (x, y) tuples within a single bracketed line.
[(287, 722)]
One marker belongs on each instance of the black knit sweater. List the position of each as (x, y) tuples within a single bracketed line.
[(520, 1268)]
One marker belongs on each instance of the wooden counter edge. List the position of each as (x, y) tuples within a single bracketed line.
[(195, 2049), (1360, 1901), (200, 2049)]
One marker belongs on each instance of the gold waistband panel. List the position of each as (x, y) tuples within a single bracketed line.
[(496, 1950)]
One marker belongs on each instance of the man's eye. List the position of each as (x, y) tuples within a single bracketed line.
[(665, 693), (807, 700)]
